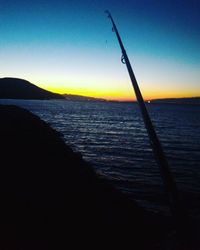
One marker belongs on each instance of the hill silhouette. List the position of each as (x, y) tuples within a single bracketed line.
[(14, 88), (70, 97), (184, 100)]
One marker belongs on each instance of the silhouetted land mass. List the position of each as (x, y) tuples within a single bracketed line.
[(14, 88), (50, 197), (191, 101), (70, 97)]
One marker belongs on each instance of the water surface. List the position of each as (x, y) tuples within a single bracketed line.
[(112, 137)]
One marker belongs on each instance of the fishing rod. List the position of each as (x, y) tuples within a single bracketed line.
[(167, 177)]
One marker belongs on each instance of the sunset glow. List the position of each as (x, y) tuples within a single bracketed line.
[(69, 47)]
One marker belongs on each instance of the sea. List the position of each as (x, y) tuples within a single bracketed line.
[(111, 136)]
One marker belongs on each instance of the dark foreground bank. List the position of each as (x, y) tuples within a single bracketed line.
[(50, 197)]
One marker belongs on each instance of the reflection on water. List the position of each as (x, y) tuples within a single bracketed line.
[(112, 137)]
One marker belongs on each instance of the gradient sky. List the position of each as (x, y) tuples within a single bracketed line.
[(68, 46)]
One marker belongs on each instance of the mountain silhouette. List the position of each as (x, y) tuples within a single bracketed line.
[(14, 88), (70, 97), (184, 100)]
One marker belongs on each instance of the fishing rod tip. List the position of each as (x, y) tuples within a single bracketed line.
[(108, 13)]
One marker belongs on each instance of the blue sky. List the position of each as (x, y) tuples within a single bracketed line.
[(68, 46)]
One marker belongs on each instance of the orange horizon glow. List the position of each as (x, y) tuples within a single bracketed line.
[(124, 95), (71, 49)]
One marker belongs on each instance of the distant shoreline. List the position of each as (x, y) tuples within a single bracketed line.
[(180, 101), (15, 88), (185, 100), (93, 100)]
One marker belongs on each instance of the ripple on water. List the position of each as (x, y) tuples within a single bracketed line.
[(113, 138)]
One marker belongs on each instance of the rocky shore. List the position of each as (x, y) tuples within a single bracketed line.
[(50, 197)]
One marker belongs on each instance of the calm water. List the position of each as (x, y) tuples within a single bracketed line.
[(112, 137)]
